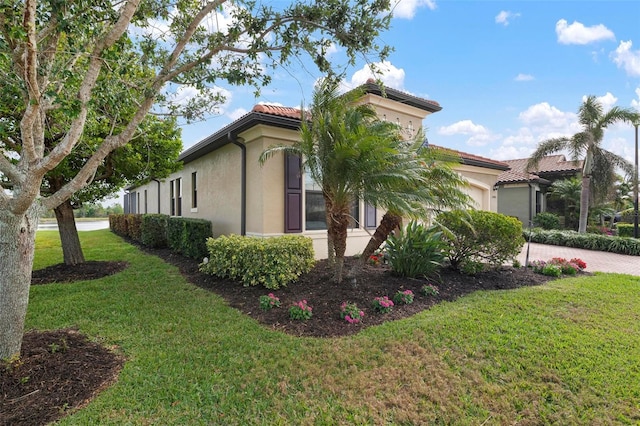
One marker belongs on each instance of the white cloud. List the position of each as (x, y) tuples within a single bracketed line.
[(635, 103), (544, 118), (478, 134), (504, 17), (524, 77), (577, 33), (626, 58), (406, 9), (385, 71), (236, 113)]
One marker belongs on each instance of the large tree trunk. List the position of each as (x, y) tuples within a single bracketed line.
[(17, 247), (389, 222), (584, 204), (71, 249)]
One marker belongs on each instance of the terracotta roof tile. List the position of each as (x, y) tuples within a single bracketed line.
[(277, 110), (548, 165)]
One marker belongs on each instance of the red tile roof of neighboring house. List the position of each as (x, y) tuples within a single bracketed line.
[(549, 165), (277, 110)]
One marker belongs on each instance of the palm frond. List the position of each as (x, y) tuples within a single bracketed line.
[(550, 146)]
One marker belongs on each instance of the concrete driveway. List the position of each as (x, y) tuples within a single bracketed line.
[(597, 261)]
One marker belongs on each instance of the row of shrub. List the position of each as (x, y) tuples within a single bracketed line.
[(620, 245), (182, 235), (272, 262)]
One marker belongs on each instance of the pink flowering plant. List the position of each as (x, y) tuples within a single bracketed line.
[(351, 313), (403, 297), (429, 290), (558, 266), (382, 304), (269, 301), (300, 311)]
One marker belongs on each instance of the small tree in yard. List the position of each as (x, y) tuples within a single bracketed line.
[(53, 55)]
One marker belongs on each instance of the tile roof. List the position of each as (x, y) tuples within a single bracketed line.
[(476, 160), (278, 110), (549, 165)]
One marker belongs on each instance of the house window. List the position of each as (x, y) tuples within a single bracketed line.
[(146, 200), (137, 202), (194, 191), (538, 202), (179, 197), (315, 214), (370, 216), (172, 197)]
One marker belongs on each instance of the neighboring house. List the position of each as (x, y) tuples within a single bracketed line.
[(222, 182), (523, 194)]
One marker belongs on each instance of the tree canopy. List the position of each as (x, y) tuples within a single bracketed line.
[(54, 55)]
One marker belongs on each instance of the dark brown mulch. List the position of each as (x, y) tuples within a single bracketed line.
[(60, 371), (91, 270)]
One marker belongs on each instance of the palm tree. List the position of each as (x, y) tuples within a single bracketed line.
[(568, 191), (352, 156), (599, 165)]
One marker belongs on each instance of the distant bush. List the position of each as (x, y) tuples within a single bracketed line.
[(415, 251), (477, 238), (546, 220), (621, 245), (272, 262), (625, 229)]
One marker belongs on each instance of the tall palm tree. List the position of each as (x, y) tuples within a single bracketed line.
[(599, 165), (352, 156)]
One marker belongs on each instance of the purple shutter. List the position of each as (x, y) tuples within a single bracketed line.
[(293, 194)]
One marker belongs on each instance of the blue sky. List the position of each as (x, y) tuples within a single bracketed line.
[(508, 74)]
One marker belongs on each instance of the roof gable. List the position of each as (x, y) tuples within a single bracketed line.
[(548, 167)]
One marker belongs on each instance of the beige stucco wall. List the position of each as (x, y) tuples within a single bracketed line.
[(481, 186)]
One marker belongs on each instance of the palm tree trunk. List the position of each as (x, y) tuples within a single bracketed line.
[(389, 222), (584, 204), (339, 223)]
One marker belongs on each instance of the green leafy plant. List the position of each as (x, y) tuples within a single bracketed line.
[(546, 220), (351, 313), (382, 304), (301, 311), (416, 251), (552, 270), (272, 262), (269, 301), (403, 297), (480, 237), (429, 290)]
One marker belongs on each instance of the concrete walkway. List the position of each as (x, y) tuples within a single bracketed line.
[(597, 261)]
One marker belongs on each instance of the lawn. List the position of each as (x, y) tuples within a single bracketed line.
[(565, 352)]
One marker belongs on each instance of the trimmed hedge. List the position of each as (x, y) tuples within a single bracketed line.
[(480, 238), (273, 262), (188, 236), (620, 245), (154, 230), (183, 235)]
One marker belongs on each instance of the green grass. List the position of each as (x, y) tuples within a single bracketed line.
[(563, 353)]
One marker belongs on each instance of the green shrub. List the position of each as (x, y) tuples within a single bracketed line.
[(154, 230), (621, 245), (627, 216), (415, 251), (625, 229), (552, 270), (272, 262), (188, 236), (546, 220), (476, 238), (118, 224), (134, 224)]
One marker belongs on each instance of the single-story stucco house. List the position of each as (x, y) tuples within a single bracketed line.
[(523, 194), (222, 181)]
